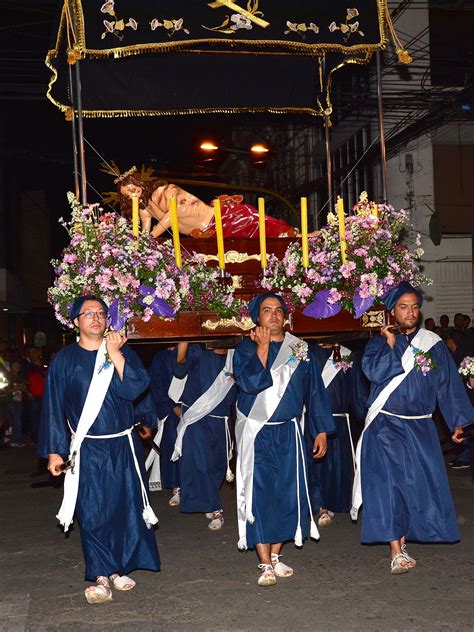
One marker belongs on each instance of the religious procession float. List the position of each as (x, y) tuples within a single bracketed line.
[(197, 284)]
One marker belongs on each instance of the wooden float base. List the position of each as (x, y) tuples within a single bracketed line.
[(209, 326)]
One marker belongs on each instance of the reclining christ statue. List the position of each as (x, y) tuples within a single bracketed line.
[(195, 217)]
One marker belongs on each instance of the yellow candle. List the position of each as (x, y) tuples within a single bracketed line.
[(342, 228), (304, 232), (175, 229), (219, 234), (135, 216), (261, 232), (375, 211)]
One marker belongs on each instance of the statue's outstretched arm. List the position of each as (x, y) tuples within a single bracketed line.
[(162, 226), (145, 219)]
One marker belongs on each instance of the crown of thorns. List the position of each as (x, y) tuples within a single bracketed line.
[(121, 177)]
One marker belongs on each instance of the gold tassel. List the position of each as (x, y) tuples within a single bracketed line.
[(403, 55), (69, 114)]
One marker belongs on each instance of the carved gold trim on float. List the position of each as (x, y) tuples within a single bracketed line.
[(245, 323), (236, 281), (373, 319), (232, 256)]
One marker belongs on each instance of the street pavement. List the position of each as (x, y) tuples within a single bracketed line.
[(206, 584)]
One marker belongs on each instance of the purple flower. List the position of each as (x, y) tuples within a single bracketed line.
[(157, 305)]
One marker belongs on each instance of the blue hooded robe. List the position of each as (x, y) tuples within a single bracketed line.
[(331, 476), (203, 463), (161, 375), (275, 503), (109, 506), (404, 483)]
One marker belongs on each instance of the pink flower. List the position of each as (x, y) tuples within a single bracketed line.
[(347, 268), (334, 295)]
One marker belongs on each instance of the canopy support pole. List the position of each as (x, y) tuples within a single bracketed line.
[(80, 129), (74, 135), (383, 155)]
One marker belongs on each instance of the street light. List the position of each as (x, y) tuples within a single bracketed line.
[(208, 145), (258, 148)]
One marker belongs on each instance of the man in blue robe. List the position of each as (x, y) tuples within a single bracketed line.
[(203, 443), (169, 413), (331, 477), (401, 475), (276, 375), (105, 487)]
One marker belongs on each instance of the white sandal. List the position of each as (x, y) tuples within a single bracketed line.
[(399, 564), (410, 560), (267, 578), (281, 570), (217, 520), (175, 498), (325, 517), (99, 593), (122, 582)]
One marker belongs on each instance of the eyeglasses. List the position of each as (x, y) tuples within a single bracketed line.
[(89, 314)]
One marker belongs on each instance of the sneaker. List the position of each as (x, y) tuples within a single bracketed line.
[(457, 464)]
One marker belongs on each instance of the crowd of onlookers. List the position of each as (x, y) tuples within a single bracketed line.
[(22, 381)]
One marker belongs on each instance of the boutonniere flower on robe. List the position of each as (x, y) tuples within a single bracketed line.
[(229, 376), (345, 363), (424, 361), (466, 368), (106, 363), (299, 351)]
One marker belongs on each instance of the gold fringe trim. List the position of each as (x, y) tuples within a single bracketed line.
[(125, 113)]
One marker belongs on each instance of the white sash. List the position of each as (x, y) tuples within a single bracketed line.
[(206, 403), (153, 462), (176, 388), (248, 427), (98, 388), (329, 372), (423, 340), (330, 369)]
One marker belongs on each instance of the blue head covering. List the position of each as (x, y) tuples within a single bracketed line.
[(404, 287), (254, 305), (79, 302)]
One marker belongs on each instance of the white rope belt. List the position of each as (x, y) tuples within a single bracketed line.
[(314, 533), (427, 416), (229, 444), (346, 415), (148, 513)]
